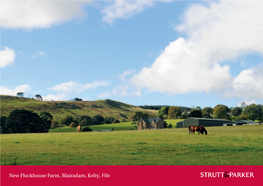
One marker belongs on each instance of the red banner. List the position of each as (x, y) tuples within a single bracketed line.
[(131, 175)]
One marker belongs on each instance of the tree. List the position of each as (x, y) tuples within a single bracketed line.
[(24, 121), (163, 112), (3, 128), (174, 112), (116, 121), (195, 113), (221, 112), (54, 124), (77, 99), (86, 122), (39, 97), (20, 94), (236, 111), (253, 112), (109, 120), (73, 124), (47, 120), (67, 120), (98, 119), (207, 112)]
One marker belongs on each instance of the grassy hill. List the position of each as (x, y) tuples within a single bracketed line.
[(60, 109)]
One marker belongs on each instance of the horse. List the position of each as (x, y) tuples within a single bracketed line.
[(199, 129), (79, 128)]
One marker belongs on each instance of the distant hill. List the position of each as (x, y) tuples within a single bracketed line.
[(60, 109)]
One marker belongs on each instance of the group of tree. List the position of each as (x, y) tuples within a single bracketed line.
[(245, 112), (139, 115), (84, 121), (25, 121)]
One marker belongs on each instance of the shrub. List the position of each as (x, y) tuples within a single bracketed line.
[(73, 124), (123, 120), (54, 124), (116, 121), (170, 126), (86, 129)]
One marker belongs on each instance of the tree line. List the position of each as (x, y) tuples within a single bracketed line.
[(25, 121), (245, 112)]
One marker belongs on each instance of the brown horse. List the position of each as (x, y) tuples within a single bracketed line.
[(79, 128), (199, 129)]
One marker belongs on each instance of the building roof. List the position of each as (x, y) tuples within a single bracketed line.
[(207, 119), (245, 121), (147, 121)]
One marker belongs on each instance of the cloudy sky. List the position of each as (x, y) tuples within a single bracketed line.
[(141, 52)]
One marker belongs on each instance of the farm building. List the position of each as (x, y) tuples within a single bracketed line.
[(203, 121), (153, 123), (244, 122)]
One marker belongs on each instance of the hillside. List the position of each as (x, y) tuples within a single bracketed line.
[(60, 109)]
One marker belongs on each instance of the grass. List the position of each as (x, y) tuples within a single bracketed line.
[(60, 109), (115, 126), (237, 145)]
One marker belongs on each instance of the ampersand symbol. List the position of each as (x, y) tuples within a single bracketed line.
[(226, 174)]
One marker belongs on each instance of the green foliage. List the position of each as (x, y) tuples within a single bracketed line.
[(253, 112), (24, 121), (207, 112), (77, 99), (236, 111), (221, 112), (170, 126), (39, 97), (109, 120), (195, 113), (47, 120), (98, 119), (20, 94), (3, 124), (86, 129), (174, 112), (86, 122), (116, 121), (67, 120), (123, 120), (73, 124), (54, 124)]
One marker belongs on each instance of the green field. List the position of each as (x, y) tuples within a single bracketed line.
[(237, 145), (115, 126)]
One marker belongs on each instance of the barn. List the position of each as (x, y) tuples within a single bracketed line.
[(246, 122), (202, 121), (153, 123)]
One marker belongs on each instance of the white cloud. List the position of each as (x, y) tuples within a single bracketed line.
[(125, 90), (124, 9), (52, 97), (38, 53), (7, 56), (74, 86), (215, 33), (39, 14), (104, 95), (126, 73), (21, 88), (249, 84)]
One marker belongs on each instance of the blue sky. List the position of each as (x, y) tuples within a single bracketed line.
[(185, 53)]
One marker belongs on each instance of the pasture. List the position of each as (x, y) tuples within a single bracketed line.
[(114, 126), (237, 145)]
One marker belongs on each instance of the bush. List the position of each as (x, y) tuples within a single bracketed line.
[(85, 122), (54, 124), (109, 120), (170, 126), (86, 129), (116, 121), (123, 120), (73, 124)]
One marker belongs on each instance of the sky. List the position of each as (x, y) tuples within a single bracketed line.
[(140, 52)]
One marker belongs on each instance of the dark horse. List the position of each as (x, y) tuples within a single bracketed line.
[(199, 129)]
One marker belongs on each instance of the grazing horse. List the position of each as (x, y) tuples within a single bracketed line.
[(199, 129), (79, 128)]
